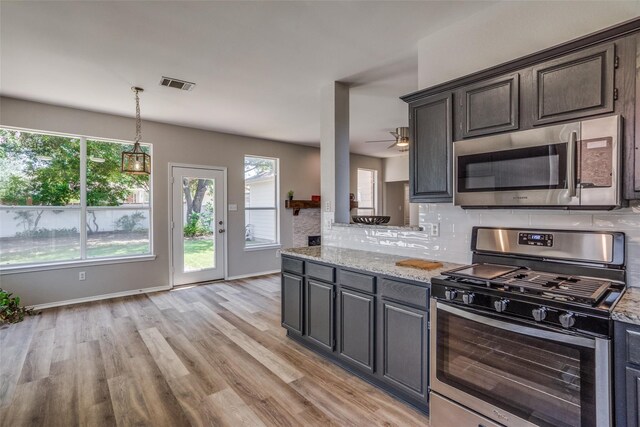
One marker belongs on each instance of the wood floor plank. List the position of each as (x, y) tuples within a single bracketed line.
[(231, 410), (164, 356), (206, 355)]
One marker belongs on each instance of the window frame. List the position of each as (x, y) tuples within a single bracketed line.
[(374, 191), (83, 208), (276, 206)]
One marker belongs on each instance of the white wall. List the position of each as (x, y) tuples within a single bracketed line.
[(509, 30), (396, 168)]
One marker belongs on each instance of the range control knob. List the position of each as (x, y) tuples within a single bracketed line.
[(539, 314), (501, 305), (468, 297), (450, 294), (567, 319)]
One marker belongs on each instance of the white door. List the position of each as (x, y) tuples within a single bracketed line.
[(197, 224)]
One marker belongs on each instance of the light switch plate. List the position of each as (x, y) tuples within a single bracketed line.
[(233, 207)]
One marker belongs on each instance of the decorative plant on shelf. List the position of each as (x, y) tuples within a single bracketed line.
[(10, 309), (290, 194)]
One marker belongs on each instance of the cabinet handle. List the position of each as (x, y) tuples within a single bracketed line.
[(571, 164)]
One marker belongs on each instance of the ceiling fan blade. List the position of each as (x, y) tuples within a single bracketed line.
[(391, 146), (395, 135), (382, 140)]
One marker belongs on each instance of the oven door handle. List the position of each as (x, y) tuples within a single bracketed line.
[(571, 163), (520, 329)]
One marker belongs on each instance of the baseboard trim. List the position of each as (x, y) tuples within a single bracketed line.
[(246, 276), (101, 297)]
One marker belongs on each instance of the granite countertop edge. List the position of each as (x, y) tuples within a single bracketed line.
[(628, 308), (372, 262)]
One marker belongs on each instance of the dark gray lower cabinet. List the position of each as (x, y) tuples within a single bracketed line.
[(404, 335), (632, 377), (292, 302), (320, 313), (356, 334), (627, 374), (373, 326)]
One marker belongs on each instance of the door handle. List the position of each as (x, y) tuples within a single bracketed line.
[(221, 230), (571, 164)]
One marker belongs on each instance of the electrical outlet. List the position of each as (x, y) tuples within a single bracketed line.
[(82, 275), (278, 253), (327, 207), (435, 229)]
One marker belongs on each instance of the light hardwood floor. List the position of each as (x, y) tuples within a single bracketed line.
[(207, 355)]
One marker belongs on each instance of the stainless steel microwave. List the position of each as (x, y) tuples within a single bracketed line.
[(572, 166)]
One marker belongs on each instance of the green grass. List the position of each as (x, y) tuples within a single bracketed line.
[(199, 253)]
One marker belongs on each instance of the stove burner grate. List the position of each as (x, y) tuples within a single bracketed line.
[(550, 285)]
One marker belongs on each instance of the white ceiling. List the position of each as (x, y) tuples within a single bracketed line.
[(258, 66)]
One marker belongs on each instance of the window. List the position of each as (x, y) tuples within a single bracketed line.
[(367, 191), (54, 209), (261, 202)]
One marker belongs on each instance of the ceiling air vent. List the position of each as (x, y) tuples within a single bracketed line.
[(175, 83)]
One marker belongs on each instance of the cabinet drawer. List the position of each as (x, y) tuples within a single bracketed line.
[(358, 281), (404, 292), (293, 265), (322, 272), (633, 346)]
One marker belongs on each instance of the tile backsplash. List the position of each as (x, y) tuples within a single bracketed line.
[(453, 243)]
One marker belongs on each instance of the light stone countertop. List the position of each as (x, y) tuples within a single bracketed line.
[(628, 308), (373, 262)]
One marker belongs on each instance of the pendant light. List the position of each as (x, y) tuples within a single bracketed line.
[(136, 162)]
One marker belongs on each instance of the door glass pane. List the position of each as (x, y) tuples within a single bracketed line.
[(198, 228), (117, 232), (39, 235), (545, 382), (533, 168)]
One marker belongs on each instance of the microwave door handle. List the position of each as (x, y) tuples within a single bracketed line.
[(571, 163)]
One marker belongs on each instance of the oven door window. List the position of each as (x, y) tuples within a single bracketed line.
[(546, 382), (532, 168)]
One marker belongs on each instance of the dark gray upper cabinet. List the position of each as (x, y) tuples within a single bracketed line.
[(292, 302), (356, 335), (320, 310), (430, 162), (574, 86), (404, 336), (490, 106)]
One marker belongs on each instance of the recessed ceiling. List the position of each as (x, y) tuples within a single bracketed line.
[(258, 66)]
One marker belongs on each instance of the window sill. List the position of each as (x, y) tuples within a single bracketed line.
[(71, 264), (262, 247)]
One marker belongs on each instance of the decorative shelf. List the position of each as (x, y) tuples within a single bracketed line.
[(296, 205)]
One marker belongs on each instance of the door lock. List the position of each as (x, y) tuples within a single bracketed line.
[(220, 222), (222, 230)]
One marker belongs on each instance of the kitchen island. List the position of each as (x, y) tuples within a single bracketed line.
[(362, 312)]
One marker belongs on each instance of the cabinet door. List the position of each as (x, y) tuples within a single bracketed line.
[(405, 356), (574, 86), (355, 338), (633, 397), (320, 313), (292, 307), (430, 162), (490, 106)]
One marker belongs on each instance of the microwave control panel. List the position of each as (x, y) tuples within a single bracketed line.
[(536, 239)]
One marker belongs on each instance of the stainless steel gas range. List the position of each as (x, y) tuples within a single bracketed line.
[(522, 336)]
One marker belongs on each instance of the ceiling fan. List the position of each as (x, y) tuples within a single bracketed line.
[(401, 141)]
